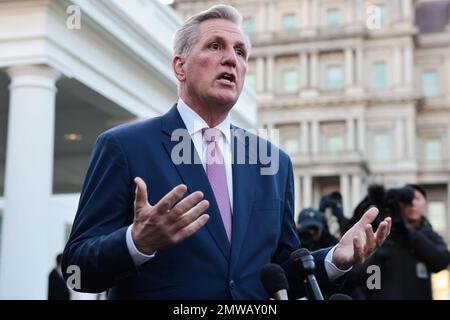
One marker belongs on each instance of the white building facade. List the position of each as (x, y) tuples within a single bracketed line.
[(68, 71)]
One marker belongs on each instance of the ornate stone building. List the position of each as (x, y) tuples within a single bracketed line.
[(360, 91)]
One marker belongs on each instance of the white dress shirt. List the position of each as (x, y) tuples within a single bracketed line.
[(194, 124)]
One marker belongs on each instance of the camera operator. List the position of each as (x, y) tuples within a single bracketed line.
[(312, 230), (410, 254)]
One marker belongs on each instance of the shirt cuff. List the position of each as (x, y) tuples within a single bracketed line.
[(332, 271), (138, 257)]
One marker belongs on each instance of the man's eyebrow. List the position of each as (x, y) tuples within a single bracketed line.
[(220, 38)]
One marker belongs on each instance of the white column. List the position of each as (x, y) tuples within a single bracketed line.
[(407, 10), (260, 76), (304, 83), (361, 127), (315, 137), (398, 70), (350, 124), (399, 139), (411, 138), (359, 66), (397, 11), (307, 191), (262, 17), (25, 257), (271, 16), (314, 14), (360, 11), (305, 17), (345, 192), (408, 65), (305, 137), (270, 73), (349, 72), (314, 70), (356, 193)]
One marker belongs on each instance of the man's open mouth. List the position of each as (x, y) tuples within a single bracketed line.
[(227, 77)]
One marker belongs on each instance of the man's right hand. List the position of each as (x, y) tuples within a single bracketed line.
[(165, 224)]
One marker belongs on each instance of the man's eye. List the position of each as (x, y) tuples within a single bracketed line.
[(214, 46)]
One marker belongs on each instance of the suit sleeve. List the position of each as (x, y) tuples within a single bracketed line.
[(290, 242), (97, 244)]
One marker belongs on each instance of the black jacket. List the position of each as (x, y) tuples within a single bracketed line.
[(57, 288), (406, 260)]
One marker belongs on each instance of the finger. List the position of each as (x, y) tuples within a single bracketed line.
[(141, 198), (389, 222), (382, 232), (169, 200), (370, 240), (187, 203), (192, 228), (368, 216), (358, 252), (190, 216)]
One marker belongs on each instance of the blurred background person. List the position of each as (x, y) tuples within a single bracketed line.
[(331, 206), (313, 231), (410, 254), (57, 288)]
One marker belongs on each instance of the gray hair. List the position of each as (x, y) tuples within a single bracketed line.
[(186, 35)]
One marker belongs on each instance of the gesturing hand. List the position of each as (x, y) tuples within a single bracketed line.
[(164, 224), (358, 243)]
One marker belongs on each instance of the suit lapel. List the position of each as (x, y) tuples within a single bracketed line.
[(194, 176), (244, 178)]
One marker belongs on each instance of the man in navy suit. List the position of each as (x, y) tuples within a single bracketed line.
[(211, 217)]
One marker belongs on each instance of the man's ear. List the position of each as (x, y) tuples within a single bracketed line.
[(178, 67)]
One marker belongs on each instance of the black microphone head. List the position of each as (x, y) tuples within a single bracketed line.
[(339, 296), (273, 278), (303, 260)]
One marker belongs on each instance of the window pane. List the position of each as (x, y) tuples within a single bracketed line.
[(248, 25), (289, 22), (290, 81), (433, 150), (334, 78), (333, 18), (379, 72), (291, 146), (436, 216), (335, 144), (382, 147), (430, 84), (250, 81), (382, 14)]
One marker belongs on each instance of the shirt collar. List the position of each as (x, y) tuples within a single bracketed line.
[(194, 123)]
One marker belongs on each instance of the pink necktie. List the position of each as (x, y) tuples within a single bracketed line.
[(215, 169)]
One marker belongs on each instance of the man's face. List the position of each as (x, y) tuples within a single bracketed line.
[(417, 209), (216, 66)]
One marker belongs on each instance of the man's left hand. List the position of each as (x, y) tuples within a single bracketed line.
[(358, 243)]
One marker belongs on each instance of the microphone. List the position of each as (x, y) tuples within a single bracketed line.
[(304, 263), (274, 281), (340, 296)]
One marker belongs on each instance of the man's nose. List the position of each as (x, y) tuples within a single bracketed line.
[(229, 57)]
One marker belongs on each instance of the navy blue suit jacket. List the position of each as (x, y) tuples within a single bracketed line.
[(204, 266)]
